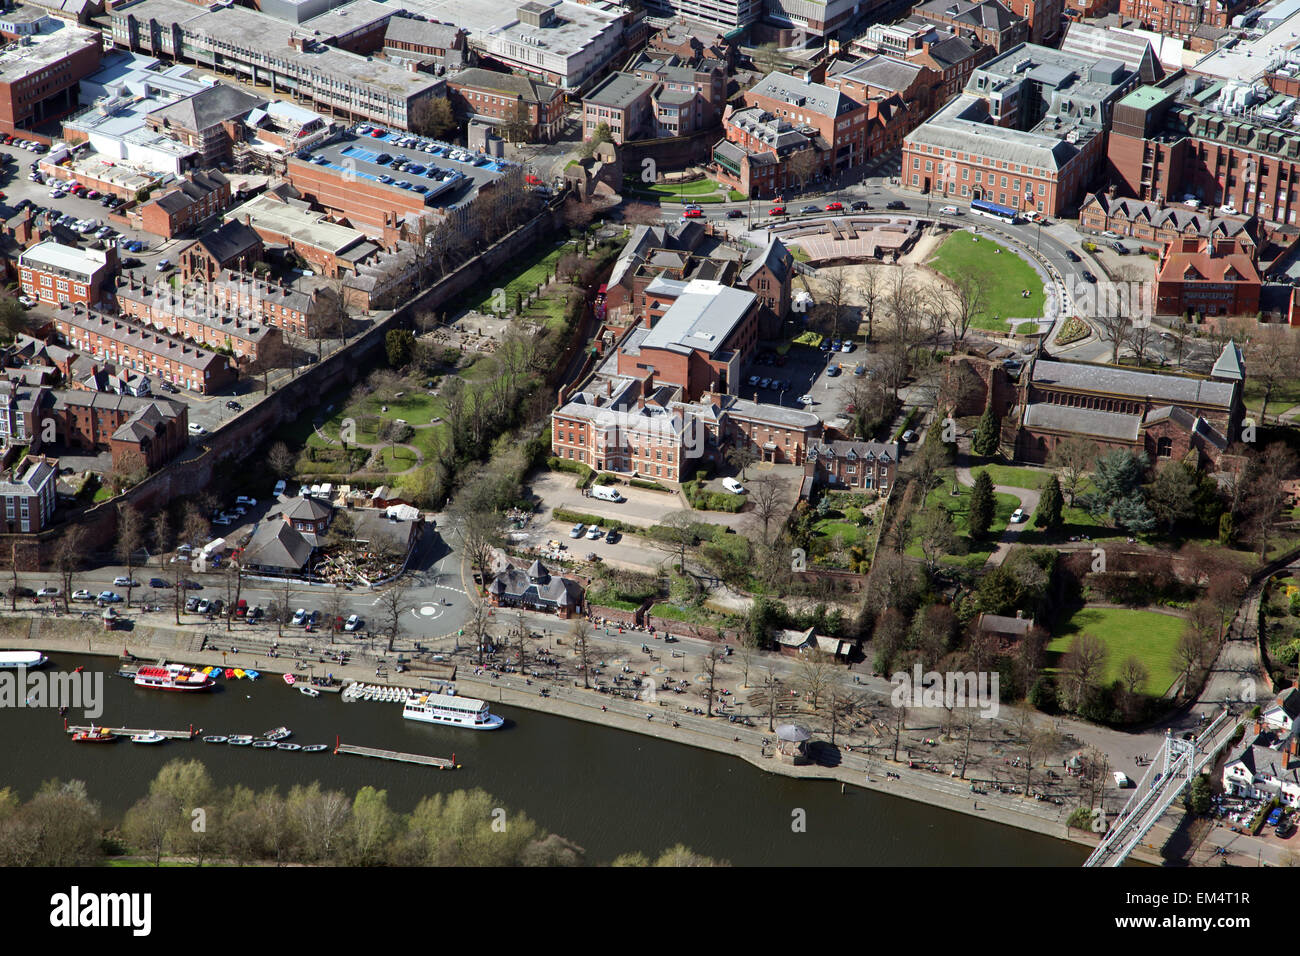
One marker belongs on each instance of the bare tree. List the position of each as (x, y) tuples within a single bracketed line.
[(968, 298), (1073, 458), (1113, 329), (711, 659), (765, 499), (130, 539), (68, 558), (871, 289), (1141, 336), (1083, 667), (392, 603), (582, 649)]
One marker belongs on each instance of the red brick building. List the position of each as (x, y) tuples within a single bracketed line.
[(134, 347), (988, 21), (1180, 18), (1206, 277), (853, 465), (503, 99), (140, 432), (28, 491), (199, 320), (203, 194), (40, 77), (55, 273), (1156, 224)]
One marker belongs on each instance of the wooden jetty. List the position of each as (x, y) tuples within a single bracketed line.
[(132, 731), (442, 763)]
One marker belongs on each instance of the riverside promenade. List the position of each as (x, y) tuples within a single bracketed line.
[(565, 698)]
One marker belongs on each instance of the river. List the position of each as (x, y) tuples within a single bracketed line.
[(607, 790)]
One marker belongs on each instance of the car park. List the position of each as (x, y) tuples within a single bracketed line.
[(613, 536), (300, 617)]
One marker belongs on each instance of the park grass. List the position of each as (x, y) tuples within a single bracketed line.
[(1014, 477), (853, 534), (533, 268), (1147, 635), (1285, 395), (798, 253), (969, 554), (1006, 274)]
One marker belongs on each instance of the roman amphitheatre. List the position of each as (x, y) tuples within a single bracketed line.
[(887, 245)]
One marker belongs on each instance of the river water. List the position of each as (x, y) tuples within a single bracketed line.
[(607, 790)]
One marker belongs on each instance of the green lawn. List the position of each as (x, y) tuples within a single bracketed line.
[(1286, 394), (534, 266), (853, 534), (970, 554), (1005, 274), (1014, 477), (1150, 636)]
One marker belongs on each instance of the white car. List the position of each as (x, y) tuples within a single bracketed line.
[(353, 623), (82, 595), (807, 400), (245, 500), (196, 429), (300, 617), (48, 592), (1018, 516), (122, 582), (732, 485), (223, 520)]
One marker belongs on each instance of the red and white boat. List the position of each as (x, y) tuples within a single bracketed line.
[(172, 677), (95, 735)]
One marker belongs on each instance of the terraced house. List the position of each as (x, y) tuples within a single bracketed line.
[(144, 350), (194, 317)]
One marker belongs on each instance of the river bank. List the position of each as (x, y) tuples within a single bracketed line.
[(563, 700)]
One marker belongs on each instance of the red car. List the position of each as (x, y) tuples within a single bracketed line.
[(776, 211), (833, 206), (692, 213), (532, 180)]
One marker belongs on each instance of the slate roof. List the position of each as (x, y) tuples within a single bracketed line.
[(536, 586), (277, 545), (230, 241), (1088, 421), (209, 107), (1167, 389), (854, 450), (812, 97)]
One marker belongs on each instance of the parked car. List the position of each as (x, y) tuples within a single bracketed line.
[(776, 211), (909, 436), (860, 205), (109, 597), (1018, 516), (159, 583), (191, 585), (810, 208), (594, 533), (693, 214), (577, 531), (896, 204), (732, 485), (48, 592), (300, 617), (82, 595), (197, 429), (125, 582), (613, 536), (234, 406), (353, 623), (834, 206)]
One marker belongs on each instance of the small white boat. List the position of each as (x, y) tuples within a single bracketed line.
[(152, 737), (308, 691), (314, 748), (265, 744), (240, 740), (279, 733), (215, 739), (288, 746)]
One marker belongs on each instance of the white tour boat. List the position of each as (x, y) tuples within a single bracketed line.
[(176, 677), (451, 711), (28, 659)]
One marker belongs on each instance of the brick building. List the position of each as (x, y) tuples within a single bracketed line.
[(139, 432), (132, 346), (503, 99), (298, 311), (1206, 277), (202, 195), (200, 320), (332, 250), (853, 465), (1224, 145), (1166, 416), (40, 75), (987, 21), (1157, 224), (210, 122), (55, 273), (28, 490), (696, 335), (1029, 132), (1180, 18), (427, 45), (923, 43), (231, 246)]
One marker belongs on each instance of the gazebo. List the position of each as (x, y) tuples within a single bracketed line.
[(792, 742)]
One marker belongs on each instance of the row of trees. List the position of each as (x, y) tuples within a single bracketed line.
[(186, 816)]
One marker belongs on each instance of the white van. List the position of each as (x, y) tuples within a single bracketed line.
[(732, 485), (606, 493), (950, 211), (1122, 780)]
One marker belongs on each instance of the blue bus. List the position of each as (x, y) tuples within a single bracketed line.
[(992, 210)]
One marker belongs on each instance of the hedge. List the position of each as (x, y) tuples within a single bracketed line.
[(907, 423), (577, 517), (703, 500), (585, 472), (649, 485)]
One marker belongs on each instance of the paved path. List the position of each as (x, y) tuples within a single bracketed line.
[(1028, 502)]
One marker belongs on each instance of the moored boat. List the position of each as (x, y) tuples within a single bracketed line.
[(265, 744), (314, 748), (215, 739), (172, 677), (468, 712), (152, 737), (290, 679), (278, 733), (288, 746), (28, 659), (240, 740), (94, 736), (308, 691)]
